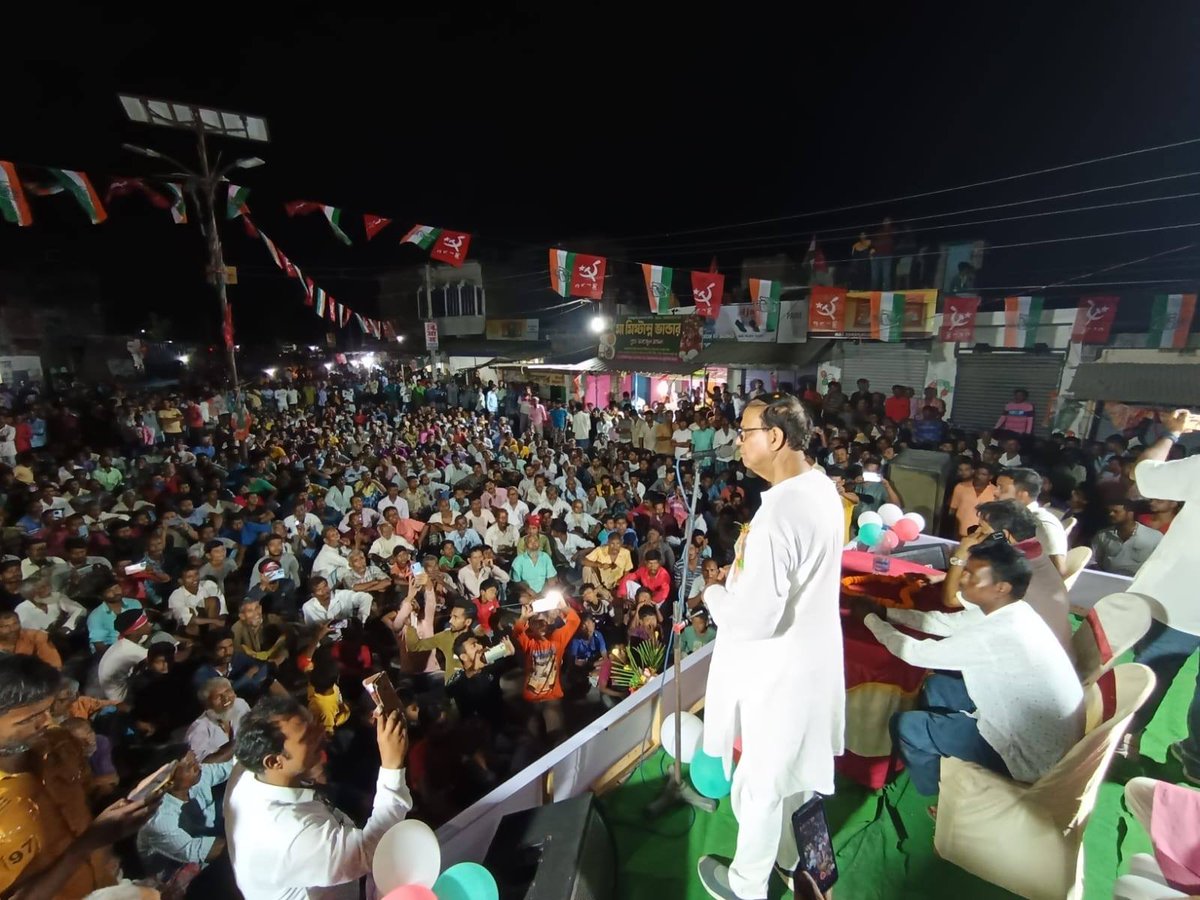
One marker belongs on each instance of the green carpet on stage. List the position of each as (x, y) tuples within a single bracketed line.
[(883, 839)]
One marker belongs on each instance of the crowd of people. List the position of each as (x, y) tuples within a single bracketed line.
[(204, 580)]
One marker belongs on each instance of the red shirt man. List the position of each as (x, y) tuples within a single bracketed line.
[(653, 577)]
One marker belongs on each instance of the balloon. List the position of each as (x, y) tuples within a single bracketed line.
[(906, 529), (870, 517), (410, 892), (690, 731), (708, 776), (889, 541), (890, 513), (408, 854), (914, 517), (870, 534), (466, 881)]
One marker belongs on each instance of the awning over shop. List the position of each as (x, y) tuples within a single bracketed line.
[(1156, 384), (496, 350)]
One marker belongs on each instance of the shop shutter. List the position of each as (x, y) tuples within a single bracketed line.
[(986, 381), (882, 364)]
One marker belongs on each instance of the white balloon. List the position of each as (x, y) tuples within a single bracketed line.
[(870, 517), (407, 854), (890, 513), (915, 517), (691, 729)]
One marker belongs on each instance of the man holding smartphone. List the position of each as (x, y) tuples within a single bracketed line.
[(314, 849), (777, 616)]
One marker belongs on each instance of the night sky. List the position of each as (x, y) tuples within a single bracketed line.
[(590, 129)]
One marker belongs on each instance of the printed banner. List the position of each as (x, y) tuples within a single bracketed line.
[(707, 290), (765, 295), (649, 339), (431, 336), (1094, 320), (793, 321), (745, 322), (827, 310), (915, 309), (958, 320)]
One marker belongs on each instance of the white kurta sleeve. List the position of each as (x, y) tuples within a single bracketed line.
[(935, 622), (951, 653), (1177, 479), (751, 609)]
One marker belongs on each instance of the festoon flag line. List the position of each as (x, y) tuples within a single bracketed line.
[(658, 286), (332, 214), (79, 186), (14, 205)]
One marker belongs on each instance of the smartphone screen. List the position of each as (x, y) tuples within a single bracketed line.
[(872, 476), (416, 569), (135, 569), (1193, 422), (544, 604), (154, 785), (812, 840), (379, 688)]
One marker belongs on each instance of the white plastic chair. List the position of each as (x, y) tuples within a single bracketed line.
[(1077, 560)]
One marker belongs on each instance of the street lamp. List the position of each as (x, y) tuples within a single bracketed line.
[(202, 184), (598, 324)]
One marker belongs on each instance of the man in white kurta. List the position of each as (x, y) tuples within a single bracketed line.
[(776, 678)]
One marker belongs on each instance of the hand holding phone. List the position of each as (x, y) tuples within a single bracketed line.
[(817, 859), (382, 693), (154, 785)]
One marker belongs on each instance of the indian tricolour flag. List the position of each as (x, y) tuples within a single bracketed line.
[(1171, 321), (424, 236), (13, 204), (178, 206), (562, 264), (235, 205), (887, 315), (764, 297), (334, 215), (321, 299), (79, 186), (658, 287), (1022, 315)]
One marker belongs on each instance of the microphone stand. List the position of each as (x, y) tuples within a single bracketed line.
[(676, 790)]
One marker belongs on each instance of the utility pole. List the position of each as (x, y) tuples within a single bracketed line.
[(216, 257), (433, 354), (204, 185)]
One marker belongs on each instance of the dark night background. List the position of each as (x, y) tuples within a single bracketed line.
[(584, 126)]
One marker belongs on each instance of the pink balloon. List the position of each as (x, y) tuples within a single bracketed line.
[(889, 541), (411, 892), (906, 529)]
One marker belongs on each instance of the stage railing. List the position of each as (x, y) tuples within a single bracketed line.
[(577, 764)]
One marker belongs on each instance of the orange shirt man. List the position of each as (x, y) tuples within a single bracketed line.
[(968, 495)]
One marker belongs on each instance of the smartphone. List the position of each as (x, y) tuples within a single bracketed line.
[(1193, 422), (379, 688), (872, 476), (545, 604), (155, 785), (135, 569), (812, 840), (416, 569)]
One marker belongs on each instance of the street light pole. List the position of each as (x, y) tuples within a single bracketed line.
[(205, 184), (208, 185)]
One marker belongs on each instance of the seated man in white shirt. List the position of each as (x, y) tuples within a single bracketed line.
[(44, 609), (1125, 544), (210, 737), (570, 548), (119, 661), (385, 545), (313, 850), (503, 537), (328, 606), (196, 602), (476, 571), (1025, 486), (1018, 707), (331, 562)]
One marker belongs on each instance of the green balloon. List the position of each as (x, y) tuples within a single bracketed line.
[(708, 776), (466, 881), (870, 534)]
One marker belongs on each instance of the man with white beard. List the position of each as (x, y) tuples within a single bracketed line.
[(211, 736), (777, 617)]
